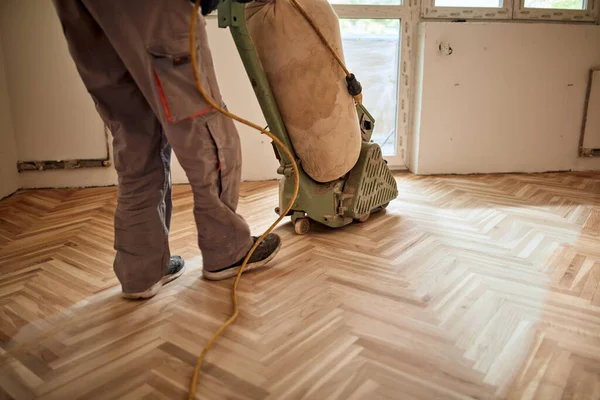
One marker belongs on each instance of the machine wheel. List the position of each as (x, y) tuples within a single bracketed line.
[(302, 226), (380, 208), (364, 218)]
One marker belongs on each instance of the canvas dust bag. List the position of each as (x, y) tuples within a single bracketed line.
[(308, 83)]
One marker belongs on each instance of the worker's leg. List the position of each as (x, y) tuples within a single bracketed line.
[(141, 153), (151, 37)]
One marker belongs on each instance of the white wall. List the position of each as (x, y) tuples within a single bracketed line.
[(65, 124), (9, 177), (51, 112), (509, 98)]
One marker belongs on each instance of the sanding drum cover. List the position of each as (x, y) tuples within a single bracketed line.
[(308, 83)]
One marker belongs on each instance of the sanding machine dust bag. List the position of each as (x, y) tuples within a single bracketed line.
[(308, 83)]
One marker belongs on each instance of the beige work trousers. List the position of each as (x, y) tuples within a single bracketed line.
[(133, 57)]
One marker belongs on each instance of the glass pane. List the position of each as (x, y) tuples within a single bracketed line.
[(372, 53), (368, 2), (557, 4), (469, 3)]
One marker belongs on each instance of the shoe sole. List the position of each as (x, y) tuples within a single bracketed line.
[(231, 272), (153, 290)]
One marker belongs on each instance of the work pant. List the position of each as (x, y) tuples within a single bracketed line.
[(133, 57)]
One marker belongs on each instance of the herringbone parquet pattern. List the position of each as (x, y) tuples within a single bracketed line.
[(467, 287)]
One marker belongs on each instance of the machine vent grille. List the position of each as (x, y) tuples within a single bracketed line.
[(378, 186)]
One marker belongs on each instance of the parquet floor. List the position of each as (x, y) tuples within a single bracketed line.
[(467, 287)]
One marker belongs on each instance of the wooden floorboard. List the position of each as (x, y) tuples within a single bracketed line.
[(482, 287)]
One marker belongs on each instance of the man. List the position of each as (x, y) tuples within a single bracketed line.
[(133, 57)]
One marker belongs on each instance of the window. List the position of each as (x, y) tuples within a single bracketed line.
[(368, 2), (469, 3), (371, 50), (575, 10), (371, 38), (556, 4), (463, 9), (565, 10)]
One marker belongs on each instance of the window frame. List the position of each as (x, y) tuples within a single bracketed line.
[(514, 10)]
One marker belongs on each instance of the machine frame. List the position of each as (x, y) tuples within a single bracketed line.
[(367, 188)]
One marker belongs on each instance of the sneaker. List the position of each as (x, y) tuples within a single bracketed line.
[(264, 253), (176, 268)]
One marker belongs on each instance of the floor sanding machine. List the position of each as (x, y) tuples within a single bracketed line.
[(367, 188)]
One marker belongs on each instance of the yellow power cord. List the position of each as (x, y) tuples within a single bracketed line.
[(282, 214), (307, 17), (358, 99)]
